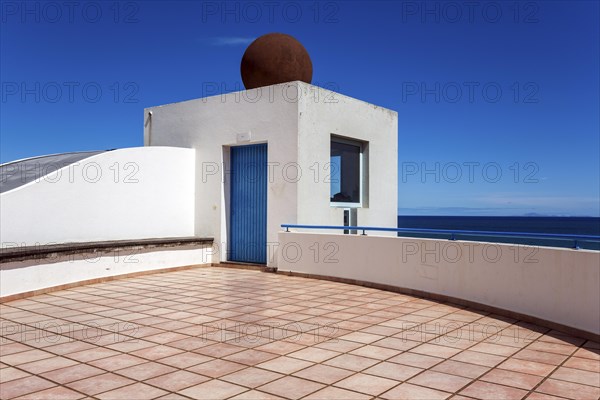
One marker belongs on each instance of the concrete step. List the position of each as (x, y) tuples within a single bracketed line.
[(243, 265)]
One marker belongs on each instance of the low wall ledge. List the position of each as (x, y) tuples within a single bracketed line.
[(23, 253)]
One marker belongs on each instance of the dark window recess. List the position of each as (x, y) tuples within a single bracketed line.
[(345, 172)]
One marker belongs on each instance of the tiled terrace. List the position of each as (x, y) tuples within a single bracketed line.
[(212, 333)]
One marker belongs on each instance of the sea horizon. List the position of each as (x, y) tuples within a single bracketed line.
[(588, 226)]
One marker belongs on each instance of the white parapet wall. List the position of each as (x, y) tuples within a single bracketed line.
[(551, 284), (133, 193), (28, 276)]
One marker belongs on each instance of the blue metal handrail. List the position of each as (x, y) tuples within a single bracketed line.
[(452, 233)]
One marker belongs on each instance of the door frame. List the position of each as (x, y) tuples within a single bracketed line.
[(228, 183)]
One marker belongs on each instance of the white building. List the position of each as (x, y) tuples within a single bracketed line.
[(291, 153)]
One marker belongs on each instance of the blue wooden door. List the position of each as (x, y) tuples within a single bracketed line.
[(248, 205)]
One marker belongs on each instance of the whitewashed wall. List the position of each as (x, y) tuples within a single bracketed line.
[(323, 113), (27, 276), (210, 126), (554, 284), (132, 193)]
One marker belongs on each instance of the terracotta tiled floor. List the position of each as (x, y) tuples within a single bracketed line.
[(215, 333)]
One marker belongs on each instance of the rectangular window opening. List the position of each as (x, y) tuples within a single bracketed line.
[(346, 170)]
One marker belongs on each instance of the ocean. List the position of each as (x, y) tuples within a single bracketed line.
[(556, 225)]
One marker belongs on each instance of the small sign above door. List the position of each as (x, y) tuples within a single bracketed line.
[(244, 137)]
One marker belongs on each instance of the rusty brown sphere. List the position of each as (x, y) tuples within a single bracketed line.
[(275, 58)]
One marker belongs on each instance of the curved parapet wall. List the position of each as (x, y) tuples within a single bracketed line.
[(551, 286), (134, 193), (27, 271)]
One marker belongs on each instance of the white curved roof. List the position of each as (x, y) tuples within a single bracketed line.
[(17, 173)]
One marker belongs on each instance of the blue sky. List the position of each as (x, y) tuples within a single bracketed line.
[(497, 101)]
